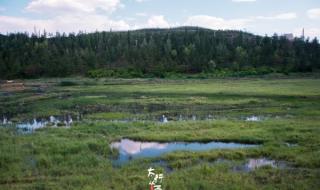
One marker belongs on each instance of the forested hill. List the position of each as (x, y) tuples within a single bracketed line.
[(153, 52)]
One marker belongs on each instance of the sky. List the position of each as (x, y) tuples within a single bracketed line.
[(263, 17)]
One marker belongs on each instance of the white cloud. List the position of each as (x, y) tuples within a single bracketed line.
[(140, 1), (314, 13), (66, 16), (242, 1), (66, 6), (283, 16), (65, 23), (216, 22), (157, 22), (75, 15), (238, 24), (142, 14), (130, 19)]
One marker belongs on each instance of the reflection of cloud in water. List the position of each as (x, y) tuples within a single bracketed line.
[(257, 163), (132, 147), (253, 118), (253, 164)]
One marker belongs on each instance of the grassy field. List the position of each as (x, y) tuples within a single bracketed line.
[(80, 157)]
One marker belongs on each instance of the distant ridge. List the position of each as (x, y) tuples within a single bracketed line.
[(154, 52)]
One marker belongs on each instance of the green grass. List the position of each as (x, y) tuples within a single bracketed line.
[(109, 116), (80, 157)]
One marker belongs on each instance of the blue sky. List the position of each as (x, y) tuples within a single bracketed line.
[(256, 16)]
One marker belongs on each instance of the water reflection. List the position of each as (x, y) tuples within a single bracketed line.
[(5, 121), (253, 164), (31, 126), (52, 121), (253, 118), (257, 163), (164, 119), (129, 149), (171, 117), (127, 146)]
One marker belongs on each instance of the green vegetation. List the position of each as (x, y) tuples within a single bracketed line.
[(80, 157), (165, 53), (109, 116), (68, 83)]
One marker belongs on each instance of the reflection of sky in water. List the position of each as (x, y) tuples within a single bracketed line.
[(257, 163), (253, 118), (253, 164), (32, 125), (129, 149)]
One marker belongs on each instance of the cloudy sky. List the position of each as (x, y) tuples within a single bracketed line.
[(256, 16)]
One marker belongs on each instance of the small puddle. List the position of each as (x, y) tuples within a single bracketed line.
[(253, 118), (5, 121), (35, 124), (174, 117), (253, 164), (30, 126), (129, 149)]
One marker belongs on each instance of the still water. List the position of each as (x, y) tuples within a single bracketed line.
[(129, 149)]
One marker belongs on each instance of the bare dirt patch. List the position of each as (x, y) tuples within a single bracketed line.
[(12, 86)]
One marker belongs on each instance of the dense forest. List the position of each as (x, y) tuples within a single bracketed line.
[(153, 53)]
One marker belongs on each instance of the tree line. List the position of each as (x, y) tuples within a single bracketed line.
[(153, 53)]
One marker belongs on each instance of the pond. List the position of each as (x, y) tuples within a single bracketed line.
[(129, 149)]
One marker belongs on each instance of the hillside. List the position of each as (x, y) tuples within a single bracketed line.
[(153, 52)]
